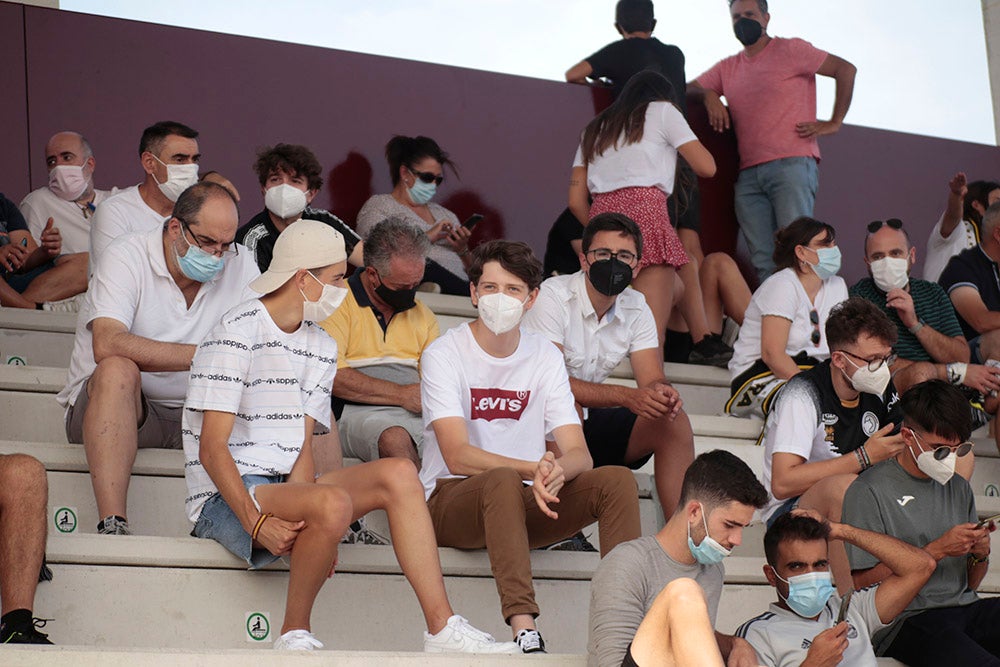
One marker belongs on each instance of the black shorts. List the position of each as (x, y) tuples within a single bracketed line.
[(684, 205), (607, 431), (628, 660)]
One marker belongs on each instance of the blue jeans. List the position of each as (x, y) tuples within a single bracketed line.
[(769, 197)]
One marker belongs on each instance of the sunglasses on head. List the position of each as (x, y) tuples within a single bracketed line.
[(814, 320), (427, 177), (892, 223)]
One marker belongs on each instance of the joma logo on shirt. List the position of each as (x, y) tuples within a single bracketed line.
[(490, 404)]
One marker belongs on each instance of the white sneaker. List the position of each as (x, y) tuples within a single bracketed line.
[(529, 641), (297, 640), (70, 305), (458, 636)]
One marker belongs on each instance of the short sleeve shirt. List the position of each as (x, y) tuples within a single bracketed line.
[(509, 405), (888, 500), (619, 61), (259, 234), (941, 249), (592, 348), (932, 306), (782, 295), (649, 162), (271, 380), (809, 420), (624, 587), (132, 285), (124, 213), (72, 220), (973, 268), (782, 638), (768, 94)]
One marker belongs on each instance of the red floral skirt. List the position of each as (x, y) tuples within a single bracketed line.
[(648, 208)]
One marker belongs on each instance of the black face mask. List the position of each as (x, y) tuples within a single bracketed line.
[(397, 299), (747, 30), (610, 276)]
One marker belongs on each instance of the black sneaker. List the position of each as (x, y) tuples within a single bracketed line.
[(578, 542), (359, 533), (25, 634), (530, 641), (711, 351)]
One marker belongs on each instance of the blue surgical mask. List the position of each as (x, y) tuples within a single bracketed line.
[(829, 262), (709, 552), (808, 593), (197, 264), (421, 192)]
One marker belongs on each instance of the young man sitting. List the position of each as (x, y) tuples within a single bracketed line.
[(260, 383)]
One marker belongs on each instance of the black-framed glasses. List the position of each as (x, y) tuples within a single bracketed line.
[(217, 248), (604, 254), (814, 320), (427, 176), (874, 364), (892, 223), (941, 452)]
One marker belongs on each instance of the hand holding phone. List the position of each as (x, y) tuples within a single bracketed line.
[(988, 520), (473, 220), (845, 603)]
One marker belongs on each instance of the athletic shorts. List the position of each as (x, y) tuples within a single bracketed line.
[(360, 427), (607, 431), (628, 660)]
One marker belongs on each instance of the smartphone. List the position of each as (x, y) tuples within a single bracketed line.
[(24, 243), (472, 221), (845, 602), (988, 520)]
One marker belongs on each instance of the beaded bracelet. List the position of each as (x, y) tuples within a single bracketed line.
[(256, 528)]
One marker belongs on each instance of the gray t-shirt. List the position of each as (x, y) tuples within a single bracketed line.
[(888, 500), (782, 638), (624, 587)]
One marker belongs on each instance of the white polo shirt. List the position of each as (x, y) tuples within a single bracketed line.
[(940, 249), (124, 213), (132, 285), (592, 348), (74, 227), (509, 405)]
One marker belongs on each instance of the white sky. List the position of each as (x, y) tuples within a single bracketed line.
[(921, 63)]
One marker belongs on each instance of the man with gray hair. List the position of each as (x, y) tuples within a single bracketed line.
[(381, 330), (153, 298)]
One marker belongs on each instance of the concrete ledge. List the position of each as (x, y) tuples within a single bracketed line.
[(42, 379), (37, 320)]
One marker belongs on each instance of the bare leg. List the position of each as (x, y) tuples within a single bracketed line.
[(691, 241), (392, 484), (326, 511), (906, 374), (110, 438), (395, 441), (827, 498), (327, 454), (67, 278), (692, 305), (23, 498), (10, 298), (676, 631), (725, 290), (672, 446), (657, 285)]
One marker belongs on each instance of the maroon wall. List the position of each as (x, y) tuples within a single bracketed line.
[(513, 137)]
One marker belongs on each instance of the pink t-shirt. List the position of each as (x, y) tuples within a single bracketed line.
[(768, 95)]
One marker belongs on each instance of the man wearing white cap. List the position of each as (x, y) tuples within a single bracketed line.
[(149, 305), (259, 386)]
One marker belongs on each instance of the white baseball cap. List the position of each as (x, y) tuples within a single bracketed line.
[(305, 244)]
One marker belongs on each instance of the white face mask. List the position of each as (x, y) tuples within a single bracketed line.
[(891, 273), (939, 471), (179, 178), (325, 305), (868, 381), (68, 182), (500, 312), (285, 201)]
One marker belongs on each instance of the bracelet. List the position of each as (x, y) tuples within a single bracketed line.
[(256, 528), (956, 372), (917, 327), (862, 457), (974, 560)]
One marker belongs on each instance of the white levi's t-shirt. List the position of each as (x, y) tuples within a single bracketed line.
[(509, 404), (271, 380), (650, 162)]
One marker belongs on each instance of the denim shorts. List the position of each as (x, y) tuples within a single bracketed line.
[(218, 522), (783, 508)]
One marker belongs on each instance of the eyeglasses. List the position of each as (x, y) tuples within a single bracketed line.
[(427, 176), (876, 363), (892, 223), (603, 254), (814, 319), (943, 451), (217, 248)]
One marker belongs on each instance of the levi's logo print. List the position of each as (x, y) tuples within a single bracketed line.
[(490, 404)]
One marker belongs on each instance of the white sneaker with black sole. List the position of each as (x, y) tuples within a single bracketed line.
[(458, 636), (530, 641)]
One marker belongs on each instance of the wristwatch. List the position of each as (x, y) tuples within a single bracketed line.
[(917, 327)]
